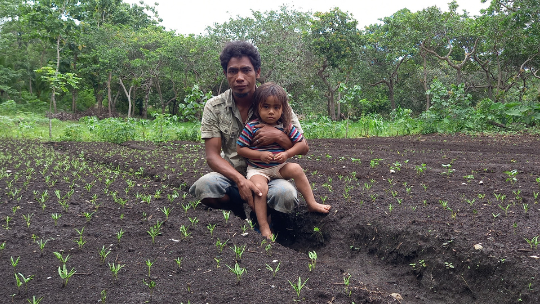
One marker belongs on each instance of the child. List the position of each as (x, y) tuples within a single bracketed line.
[(270, 106)]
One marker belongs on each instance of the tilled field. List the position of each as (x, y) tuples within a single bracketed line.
[(420, 219)]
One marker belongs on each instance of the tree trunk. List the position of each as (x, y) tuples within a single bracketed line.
[(428, 99), (128, 95), (109, 99)]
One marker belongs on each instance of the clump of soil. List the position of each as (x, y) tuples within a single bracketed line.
[(419, 219)]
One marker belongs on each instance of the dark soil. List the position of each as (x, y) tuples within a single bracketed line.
[(403, 233)]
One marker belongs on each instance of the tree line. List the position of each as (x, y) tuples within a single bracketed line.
[(116, 57)]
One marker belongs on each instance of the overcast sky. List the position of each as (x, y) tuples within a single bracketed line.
[(193, 16)]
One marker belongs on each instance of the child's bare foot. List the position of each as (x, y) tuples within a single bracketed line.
[(320, 208), (265, 231)]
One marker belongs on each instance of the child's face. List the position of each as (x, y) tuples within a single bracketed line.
[(270, 110)]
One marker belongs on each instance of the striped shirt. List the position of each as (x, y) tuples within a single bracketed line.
[(246, 138)]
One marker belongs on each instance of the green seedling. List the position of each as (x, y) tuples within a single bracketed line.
[(104, 296), (151, 285), (525, 207), (14, 263), (298, 286), (115, 269), (346, 282), (103, 253), (167, 212), (119, 235), (226, 215), (511, 176), (217, 261), (238, 250), (8, 219), (193, 221), (238, 271), (34, 300), (505, 209), (149, 263), (313, 260), (153, 232), (448, 168), (533, 242), (24, 280), (88, 215), (65, 274), (420, 168), (273, 270), (211, 228), (186, 207), (80, 241), (374, 162), (251, 224), (194, 204), (178, 261), (61, 258), (27, 219), (220, 244), (184, 231), (41, 245)]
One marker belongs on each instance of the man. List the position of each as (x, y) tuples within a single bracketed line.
[(223, 119)]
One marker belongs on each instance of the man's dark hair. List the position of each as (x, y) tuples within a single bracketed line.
[(239, 49)]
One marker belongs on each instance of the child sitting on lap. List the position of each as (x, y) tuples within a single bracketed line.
[(271, 107)]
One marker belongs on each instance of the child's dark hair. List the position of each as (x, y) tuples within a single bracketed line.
[(270, 89)]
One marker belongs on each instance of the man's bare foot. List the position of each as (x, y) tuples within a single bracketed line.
[(320, 208)]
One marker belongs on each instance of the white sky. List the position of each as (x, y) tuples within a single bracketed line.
[(192, 17)]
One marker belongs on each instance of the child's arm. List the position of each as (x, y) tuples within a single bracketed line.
[(246, 152), (299, 148)]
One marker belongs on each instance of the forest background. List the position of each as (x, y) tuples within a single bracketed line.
[(414, 72)]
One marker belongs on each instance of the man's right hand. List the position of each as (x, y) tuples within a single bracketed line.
[(246, 188)]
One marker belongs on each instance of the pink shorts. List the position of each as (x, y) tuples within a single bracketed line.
[(270, 173)]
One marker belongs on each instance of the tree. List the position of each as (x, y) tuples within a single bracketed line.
[(333, 39), (387, 47)]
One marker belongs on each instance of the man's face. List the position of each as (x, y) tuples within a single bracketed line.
[(241, 76)]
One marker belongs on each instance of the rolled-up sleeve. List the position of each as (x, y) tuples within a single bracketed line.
[(209, 122), (296, 123)]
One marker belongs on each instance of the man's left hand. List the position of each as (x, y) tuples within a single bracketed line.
[(266, 135)]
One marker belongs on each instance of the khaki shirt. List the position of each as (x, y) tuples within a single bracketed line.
[(221, 118)]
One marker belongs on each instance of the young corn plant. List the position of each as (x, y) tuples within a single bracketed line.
[(119, 235), (34, 300), (103, 253), (298, 287), (115, 269), (211, 229), (65, 274), (166, 211), (273, 270), (220, 245), (27, 219), (155, 231), (14, 263), (226, 215), (533, 242), (313, 260), (184, 231), (24, 280), (238, 271), (149, 263), (41, 245), (61, 258), (178, 261), (238, 250)]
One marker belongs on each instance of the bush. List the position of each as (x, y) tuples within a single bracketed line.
[(116, 130)]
